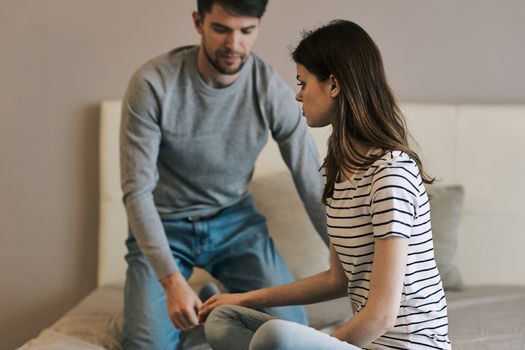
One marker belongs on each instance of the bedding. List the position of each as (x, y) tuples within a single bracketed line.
[(480, 318)]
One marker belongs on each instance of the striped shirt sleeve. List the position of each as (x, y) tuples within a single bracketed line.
[(394, 199)]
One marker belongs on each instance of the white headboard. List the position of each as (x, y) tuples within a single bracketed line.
[(481, 147), (113, 226)]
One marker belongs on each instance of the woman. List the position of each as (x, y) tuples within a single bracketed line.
[(378, 217)]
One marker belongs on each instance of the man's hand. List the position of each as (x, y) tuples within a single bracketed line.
[(183, 304), (221, 299)]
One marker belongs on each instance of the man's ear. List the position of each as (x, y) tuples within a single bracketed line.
[(197, 21), (334, 86)]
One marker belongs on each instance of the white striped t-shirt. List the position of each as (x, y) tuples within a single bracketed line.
[(389, 199)]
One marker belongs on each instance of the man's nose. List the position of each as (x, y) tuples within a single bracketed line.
[(233, 40), (299, 96)]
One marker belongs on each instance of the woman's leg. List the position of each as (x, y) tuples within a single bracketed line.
[(286, 335), (232, 327), (235, 327)]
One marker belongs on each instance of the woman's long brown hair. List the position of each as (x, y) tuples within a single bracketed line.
[(367, 111)]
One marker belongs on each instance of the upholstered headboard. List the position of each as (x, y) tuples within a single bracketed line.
[(478, 146), (113, 224)]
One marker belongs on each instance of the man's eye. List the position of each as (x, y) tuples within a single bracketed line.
[(247, 31)]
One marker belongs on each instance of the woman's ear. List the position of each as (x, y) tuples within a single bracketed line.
[(334, 86)]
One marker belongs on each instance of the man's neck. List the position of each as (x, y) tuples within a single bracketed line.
[(210, 75)]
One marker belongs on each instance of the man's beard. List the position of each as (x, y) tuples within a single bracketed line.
[(217, 65)]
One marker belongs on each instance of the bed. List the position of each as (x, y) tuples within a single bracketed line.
[(477, 230)]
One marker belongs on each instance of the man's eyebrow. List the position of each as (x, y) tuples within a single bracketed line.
[(249, 27), (215, 24), (219, 25)]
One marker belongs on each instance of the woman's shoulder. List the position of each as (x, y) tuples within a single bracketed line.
[(394, 161), (395, 168)]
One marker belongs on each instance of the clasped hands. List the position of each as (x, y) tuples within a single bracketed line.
[(185, 308)]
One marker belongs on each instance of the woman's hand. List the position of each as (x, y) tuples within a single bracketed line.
[(220, 299)]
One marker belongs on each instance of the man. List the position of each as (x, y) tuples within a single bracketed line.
[(193, 123)]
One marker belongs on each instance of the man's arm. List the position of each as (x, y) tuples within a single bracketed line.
[(140, 137), (298, 150)]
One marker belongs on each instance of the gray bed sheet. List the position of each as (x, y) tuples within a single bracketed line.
[(481, 318), (487, 317)]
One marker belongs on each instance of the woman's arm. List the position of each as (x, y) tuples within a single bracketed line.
[(386, 287), (326, 285)]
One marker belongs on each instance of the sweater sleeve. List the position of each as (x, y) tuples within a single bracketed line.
[(298, 150), (140, 137)]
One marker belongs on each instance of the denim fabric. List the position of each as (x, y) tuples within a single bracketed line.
[(235, 327), (234, 246)]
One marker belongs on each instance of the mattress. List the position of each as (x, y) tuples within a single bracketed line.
[(481, 318)]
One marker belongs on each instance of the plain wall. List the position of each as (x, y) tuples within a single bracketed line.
[(60, 58)]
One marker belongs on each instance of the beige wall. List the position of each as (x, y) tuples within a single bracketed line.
[(60, 58)]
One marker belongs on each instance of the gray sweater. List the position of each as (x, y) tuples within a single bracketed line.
[(188, 149)]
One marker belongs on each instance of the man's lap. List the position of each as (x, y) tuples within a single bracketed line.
[(234, 246)]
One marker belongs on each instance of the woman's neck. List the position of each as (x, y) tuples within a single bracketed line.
[(362, 149)]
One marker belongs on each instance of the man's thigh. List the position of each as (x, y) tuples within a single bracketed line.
[(247, 259), (146, 321), (251, 262)]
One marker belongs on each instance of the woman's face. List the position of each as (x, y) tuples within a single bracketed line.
[(317, 97)]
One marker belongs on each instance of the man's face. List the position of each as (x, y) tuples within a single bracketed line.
[(227, 39)]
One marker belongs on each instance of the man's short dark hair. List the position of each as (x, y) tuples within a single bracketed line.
[(249, 8)]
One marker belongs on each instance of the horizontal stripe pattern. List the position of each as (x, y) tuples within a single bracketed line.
[(389, 199)]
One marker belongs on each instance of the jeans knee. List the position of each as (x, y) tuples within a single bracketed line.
[(216, 325), (133, 340), (219, 315), (272, 335), (146, 321)]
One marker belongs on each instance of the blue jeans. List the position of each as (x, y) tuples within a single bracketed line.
[(235, 327), (233, 246)]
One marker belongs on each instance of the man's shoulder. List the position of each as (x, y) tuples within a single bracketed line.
[(261, 67), (266, 76), (166, 64)]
